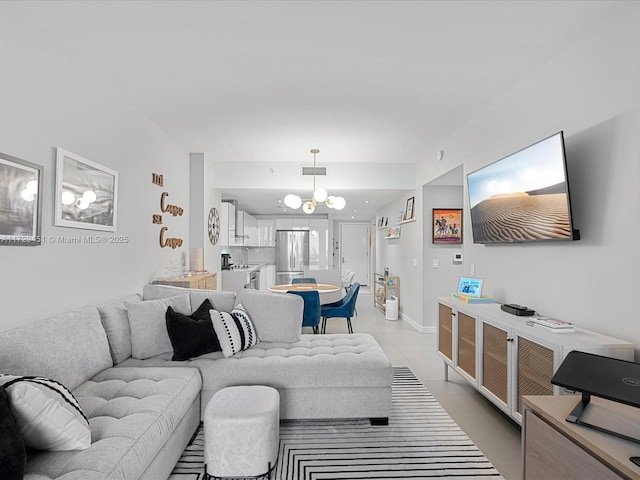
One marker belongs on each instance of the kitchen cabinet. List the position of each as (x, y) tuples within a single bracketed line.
[(506, 359), (237, 279), (292, 224), (271, 275), (301, 223), (266, 233), (227, 224), (246, 230), (284, 223), (319, 243), (267, 276)]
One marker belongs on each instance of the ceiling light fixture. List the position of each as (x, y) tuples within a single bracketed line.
[(320, 195)]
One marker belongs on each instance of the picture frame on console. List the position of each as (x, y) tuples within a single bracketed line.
[(20, 201), (86, 193), (446, 226)]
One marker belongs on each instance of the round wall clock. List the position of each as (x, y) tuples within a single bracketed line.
[(214, 226)]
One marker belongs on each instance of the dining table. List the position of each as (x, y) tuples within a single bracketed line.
[(327, 291), (305, 287)]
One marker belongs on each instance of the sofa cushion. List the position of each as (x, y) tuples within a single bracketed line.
[(13, 454), (276, 317), (149, 335), (115, 321), (192, 335), (69, 348), (336, 360), (48, 415), (223, 301), (234, 329), (132, 413)]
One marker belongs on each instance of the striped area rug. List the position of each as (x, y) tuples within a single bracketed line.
[(420, 442)]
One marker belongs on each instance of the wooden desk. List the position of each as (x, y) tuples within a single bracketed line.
[(206, 281), (555, 448), (305, 287)]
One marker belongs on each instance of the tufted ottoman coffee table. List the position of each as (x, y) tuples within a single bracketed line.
[(242, 432)]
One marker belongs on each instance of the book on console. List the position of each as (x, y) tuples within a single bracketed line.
[(551, 329), (551, 324), (469, 299)]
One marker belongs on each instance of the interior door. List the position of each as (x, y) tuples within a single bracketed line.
[(354, 250)]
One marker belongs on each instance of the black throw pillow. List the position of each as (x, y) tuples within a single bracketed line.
[(192, 335), (13, 455)]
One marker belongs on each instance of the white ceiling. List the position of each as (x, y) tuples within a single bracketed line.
[(363, 81)]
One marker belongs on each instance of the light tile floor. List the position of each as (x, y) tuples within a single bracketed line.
[(491, 430)]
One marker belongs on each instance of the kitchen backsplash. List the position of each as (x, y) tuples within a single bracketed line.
[(251, 255)]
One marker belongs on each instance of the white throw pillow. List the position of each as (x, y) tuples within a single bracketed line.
[(47, 414), (235, 330), (149, 336)]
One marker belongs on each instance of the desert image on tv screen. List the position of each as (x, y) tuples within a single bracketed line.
[(522, 197)]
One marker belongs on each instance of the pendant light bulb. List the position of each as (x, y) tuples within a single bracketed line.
[(339, 203), (308, 207), (320, 195), (292, 201)]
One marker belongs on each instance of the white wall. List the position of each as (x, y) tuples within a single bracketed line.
[(48, 100), (403, 256), (443, 280), (202, 199), (589, 90)]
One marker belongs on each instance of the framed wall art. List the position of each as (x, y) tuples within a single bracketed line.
[(408, 211), (447, 226), (86, 193), (20, 201)]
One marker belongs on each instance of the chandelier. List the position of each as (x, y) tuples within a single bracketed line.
[(319, 196)]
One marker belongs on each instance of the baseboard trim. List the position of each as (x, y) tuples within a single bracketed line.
[(416, 325)]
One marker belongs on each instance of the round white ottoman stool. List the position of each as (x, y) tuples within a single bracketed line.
[(242, 432)]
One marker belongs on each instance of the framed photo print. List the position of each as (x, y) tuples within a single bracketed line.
[(20, 201), (408, 211), (447, 226), (86, 193)]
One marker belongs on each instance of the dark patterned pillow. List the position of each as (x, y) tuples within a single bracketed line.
[(13, 454), (192, 335), (235, 330)]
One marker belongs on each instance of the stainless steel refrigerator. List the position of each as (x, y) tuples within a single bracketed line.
[(292, 254)]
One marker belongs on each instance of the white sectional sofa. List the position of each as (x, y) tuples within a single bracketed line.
[(143, 407)]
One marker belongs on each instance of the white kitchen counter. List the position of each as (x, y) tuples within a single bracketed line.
[(235, 280)]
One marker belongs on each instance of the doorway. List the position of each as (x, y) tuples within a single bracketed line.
[(354, 250)]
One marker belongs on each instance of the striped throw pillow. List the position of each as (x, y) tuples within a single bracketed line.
[(47, 414), (234, 329)]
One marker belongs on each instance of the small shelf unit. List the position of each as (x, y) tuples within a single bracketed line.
[(384, 287)]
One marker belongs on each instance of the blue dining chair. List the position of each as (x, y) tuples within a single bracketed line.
[(311, 313), (343, 308), (303, 280)]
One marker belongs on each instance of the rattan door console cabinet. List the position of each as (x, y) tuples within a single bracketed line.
[(504, 358)]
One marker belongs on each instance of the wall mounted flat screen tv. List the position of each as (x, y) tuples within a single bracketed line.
[(523, 197)]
